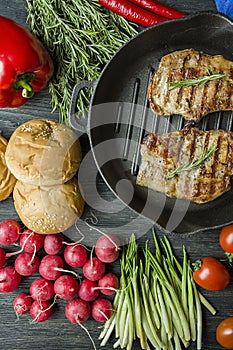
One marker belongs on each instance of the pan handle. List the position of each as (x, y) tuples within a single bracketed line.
[(79, 123)]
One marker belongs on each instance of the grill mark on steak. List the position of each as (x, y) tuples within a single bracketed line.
[(192, 102), (189, 92), (226, 90), (197, 150), (229, 97), (204, 108), (171, 77), (204, 89), (192, 94), (201, 167), (206, 186), (230, 152), (214, 167), (184, 75), (163, 153), (216, 103), (186, 157)]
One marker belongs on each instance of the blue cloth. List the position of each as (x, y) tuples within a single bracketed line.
[(225, 6)]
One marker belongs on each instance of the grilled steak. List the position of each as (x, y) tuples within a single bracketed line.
[(192, 102), (164, 158)]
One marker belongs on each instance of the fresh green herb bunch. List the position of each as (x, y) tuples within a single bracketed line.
[(81, 37)]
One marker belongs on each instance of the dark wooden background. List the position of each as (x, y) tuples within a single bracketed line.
[(58, 333)]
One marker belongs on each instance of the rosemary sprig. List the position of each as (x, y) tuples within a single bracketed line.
[(81, 37), (199, 81), (193, 164)]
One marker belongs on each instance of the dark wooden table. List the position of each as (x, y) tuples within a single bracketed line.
[(58, 333)]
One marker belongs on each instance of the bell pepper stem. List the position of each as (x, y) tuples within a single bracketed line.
[(27, 90), (23, 83)]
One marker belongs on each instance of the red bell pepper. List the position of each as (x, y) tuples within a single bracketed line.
[(25, 65)]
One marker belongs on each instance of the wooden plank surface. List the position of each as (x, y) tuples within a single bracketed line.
[(58, 333)]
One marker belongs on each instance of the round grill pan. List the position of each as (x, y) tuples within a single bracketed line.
[(119, 117)]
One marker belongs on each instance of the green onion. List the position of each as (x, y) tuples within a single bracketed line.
[(191, 310), (138, 311), (163, 310), (149, 316), (157, 302), (184, 278), (199, 317)]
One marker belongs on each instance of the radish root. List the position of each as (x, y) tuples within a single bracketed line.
[(102, 233), (68, 271), (41, 311), (88, 333), (8, 255)]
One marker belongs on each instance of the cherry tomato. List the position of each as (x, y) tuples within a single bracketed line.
[(226, 238), (224, 333), (211, 274)]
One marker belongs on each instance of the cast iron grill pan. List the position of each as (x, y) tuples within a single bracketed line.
[(119, 118)]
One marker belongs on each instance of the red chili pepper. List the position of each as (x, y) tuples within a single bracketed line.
[(158, 8), (132, 12), (25, 65)]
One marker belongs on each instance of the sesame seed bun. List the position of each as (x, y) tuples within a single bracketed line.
[(7, 180), (48, 209), (43, 153)]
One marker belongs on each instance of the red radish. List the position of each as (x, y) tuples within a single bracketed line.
[(42, 289), (41, 310), (66, 287), (9, 279), (94, 269), (88, 290), (53, 243), (9, 232), (77, 310), (75, 255), (101, 310), (22, 303), (31, 241), (2, 257), (51, 267), (108, 284), (107, 248), (26, 264)]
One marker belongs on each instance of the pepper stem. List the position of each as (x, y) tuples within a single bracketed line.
[(23, 83)]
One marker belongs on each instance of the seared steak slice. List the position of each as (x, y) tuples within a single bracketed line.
[(161, 154), (192, 102)]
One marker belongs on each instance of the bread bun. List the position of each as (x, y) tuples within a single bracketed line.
[(43, 153), (48, 209), (7, 180)]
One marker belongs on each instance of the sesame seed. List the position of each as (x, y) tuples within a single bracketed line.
[(45, 223), (26, 128)]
